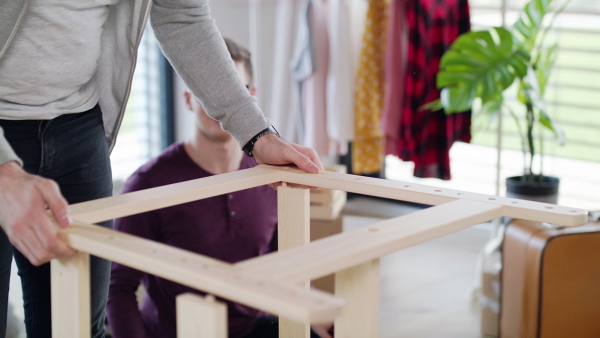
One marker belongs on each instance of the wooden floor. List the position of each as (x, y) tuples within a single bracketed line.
[(426, 290)]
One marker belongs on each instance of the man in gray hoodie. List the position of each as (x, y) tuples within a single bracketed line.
[(65, 76)]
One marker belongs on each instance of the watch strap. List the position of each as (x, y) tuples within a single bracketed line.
[(249, 147)]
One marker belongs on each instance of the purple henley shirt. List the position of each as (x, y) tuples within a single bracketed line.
[(232, 228)]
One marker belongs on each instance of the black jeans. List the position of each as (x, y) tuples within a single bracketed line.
[(72, 150)]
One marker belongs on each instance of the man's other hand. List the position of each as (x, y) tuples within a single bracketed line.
[(23, 202)]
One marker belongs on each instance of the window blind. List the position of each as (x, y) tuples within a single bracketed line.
[(139, 138)]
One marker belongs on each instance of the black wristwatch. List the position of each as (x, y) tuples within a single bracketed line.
[(250, 145)]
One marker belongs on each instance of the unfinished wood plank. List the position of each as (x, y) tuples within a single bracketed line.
[(291, 329), (200, 317), (293, 216), (151, 199), (204, 273), (70, 292), (359, 286), (320, 229), (328, 211), (348, 249), (325, 196), (516, 208), (293, 207)]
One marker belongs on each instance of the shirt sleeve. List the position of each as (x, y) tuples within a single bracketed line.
[(7, 153), (190, 40), (124, 316)]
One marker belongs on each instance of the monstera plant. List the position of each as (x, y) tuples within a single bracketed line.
[(482, 65)]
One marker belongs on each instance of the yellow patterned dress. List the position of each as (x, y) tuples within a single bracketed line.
[(367, 149)]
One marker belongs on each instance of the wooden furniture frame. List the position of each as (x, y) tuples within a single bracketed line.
[(277, 282)]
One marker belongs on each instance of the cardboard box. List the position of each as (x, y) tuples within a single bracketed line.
[(320, 229), (326, 204)]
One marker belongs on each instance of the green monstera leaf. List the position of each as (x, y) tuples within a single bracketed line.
[(529, 24), (479, 64), (543, 67)]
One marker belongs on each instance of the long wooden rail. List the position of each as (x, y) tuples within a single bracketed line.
[(275, 283), (345, 250), (161, 197)]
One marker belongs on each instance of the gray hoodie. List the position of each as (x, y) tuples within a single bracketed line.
[(190, 40)]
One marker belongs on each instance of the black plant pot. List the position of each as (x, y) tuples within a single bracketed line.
[(545, 191)]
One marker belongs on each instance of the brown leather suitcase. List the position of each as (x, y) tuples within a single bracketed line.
[(550, 281)]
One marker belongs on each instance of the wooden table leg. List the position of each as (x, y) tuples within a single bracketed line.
[(200, 317), (359, 287), (293, 230), (70, 285)]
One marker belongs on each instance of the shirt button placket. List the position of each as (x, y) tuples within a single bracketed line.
[(232, 212)]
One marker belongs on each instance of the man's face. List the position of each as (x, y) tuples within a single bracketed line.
[(210, 128)]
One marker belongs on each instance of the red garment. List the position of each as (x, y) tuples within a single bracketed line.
[(395, 73), (426, 136)]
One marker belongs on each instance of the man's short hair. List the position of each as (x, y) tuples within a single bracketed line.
[(240, 54)]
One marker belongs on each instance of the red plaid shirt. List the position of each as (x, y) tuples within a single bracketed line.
[(425, 137)]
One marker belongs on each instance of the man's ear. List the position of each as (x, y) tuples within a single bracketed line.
[(187, 96), (252, 90)]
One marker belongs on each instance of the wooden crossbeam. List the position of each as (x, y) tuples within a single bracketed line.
[(161, 197), (204, 273), (515, 208), (155, 198), (349, 249)]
